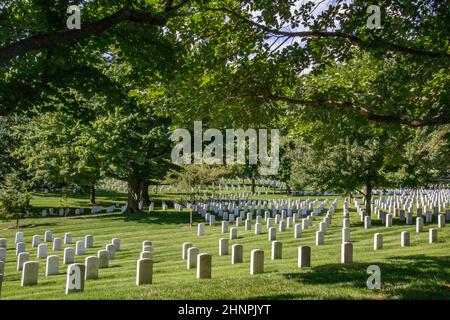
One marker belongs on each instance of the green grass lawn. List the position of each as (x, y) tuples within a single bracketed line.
[(421, 271)]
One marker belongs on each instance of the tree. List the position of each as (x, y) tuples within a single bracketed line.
[(133, 142), (355, 158), (287, 149), (192, 178), (12, 206), (250, 57), (8, 143), (144, 12), (45, 63), (55, 152), (257, 65), (14, 200)]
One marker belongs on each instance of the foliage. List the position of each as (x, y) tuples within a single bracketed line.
[(190, 179), (12, 206)]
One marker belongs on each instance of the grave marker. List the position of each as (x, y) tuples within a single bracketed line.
[(67, 238), (233, 233), (79, 248), (111, 249), (52, 266), (377, 241), (237, 253), (76, 274), (192, 254), (432, 236), (223, 247), (204, 264), (116, 243), (57, 244), (405, 239), (35, 241), (419, 224), (92, 264), (30, 273), (144, 272), (277, 247), (186, 246), (347, 252), (320, 238), (19, 237), (21, 259), (20, 247), (103, 259), (42, 251), (89, 241), (256, 261), (68, 256)]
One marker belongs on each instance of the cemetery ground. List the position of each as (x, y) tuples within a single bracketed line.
[(420, 271)]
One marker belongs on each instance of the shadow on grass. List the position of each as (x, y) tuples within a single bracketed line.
[(31, 225), (402, 277), (166, 217), (83, 196)]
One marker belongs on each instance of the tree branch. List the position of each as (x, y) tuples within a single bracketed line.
[(392, 119), (336, 34), (50, 40)]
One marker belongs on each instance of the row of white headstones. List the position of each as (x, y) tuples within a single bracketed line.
[(287, 219), (77, 273)]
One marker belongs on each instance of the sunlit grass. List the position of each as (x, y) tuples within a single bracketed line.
[(421, 271)]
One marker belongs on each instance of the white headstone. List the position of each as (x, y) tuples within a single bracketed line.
[(144, 272), (89, 241), (103, 258), (201, 229), (204, 264), (192, 254), (35, 241), (68, 256), (42, 251), (233, 233), (405, 239), (186, 247), (48, 236), (92, 264), (256, 261), (237, 253), (19, 237), (377, 241), (79, 248), (111, 249), (277, 247), (20, 247), (223, 247), (57, 244), (76, 274), (21, 259), (30, 273), (347, 252), (272, 234), (67, 238), (116, 243), (52, 266)]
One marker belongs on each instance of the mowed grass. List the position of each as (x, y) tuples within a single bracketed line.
[(421, 271)]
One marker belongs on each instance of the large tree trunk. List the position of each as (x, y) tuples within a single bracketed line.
[(92, 197), (134, 194), (253, 185), (368, 198), (144, 191), (288, 190)]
